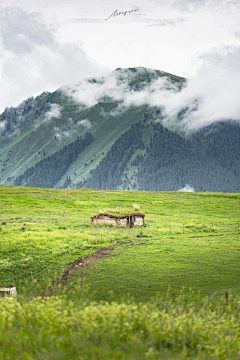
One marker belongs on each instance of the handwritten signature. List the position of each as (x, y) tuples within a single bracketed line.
[(118, 13)]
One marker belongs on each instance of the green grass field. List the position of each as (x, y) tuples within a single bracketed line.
[(193, 240), (192, 243)]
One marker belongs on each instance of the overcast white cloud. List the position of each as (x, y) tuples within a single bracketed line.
[(50, 43), (33, 59), (211, 95), (217, 86)]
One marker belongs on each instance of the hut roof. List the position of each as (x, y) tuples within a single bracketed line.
[(117, 216)]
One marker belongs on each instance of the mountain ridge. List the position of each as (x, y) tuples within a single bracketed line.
[(41, 127)]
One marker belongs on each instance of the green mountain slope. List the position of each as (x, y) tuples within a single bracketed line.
[(39, 127), (171, 161), (129, 148)]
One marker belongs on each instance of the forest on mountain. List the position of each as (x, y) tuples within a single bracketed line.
[(208, 160), (207, 163), (107, 174), (48, 171)]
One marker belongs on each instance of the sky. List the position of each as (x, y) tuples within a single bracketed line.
[(45, 44)]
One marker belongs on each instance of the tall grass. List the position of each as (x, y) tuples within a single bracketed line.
[(68, 328)]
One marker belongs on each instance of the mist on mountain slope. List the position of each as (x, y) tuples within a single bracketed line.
[(210, 96), (185, 105), (187, 188)]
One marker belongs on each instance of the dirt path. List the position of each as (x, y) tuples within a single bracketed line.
[(78, 266)]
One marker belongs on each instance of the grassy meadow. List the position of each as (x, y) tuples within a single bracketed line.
[(193, 240), (63, 265)]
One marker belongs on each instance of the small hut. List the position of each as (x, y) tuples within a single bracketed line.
[(9, 292), (129, 220)]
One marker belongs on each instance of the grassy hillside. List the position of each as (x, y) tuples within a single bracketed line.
[(47, 137), (39, 127), (49, 248)]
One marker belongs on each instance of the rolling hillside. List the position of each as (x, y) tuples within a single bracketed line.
[(130, 146)]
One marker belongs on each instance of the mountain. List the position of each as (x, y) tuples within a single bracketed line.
[(107, 133)]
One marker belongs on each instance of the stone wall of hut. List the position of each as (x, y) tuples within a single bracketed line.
[(122, 222), (105, 220), (137, 220)]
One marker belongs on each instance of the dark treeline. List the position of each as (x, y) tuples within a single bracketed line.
[(220, 142), (107, 174), (48, 171), (208, 160)]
